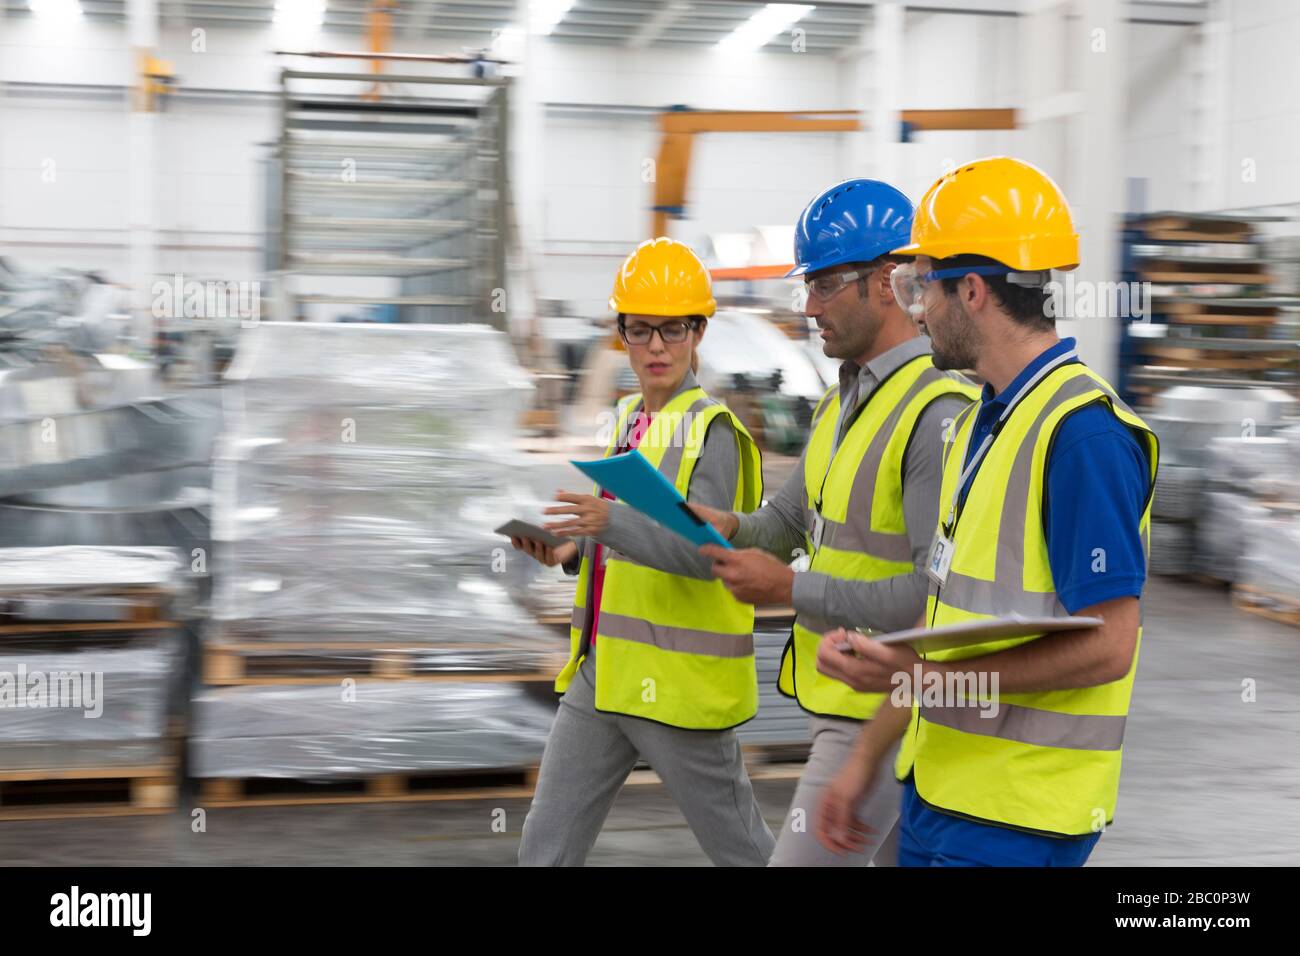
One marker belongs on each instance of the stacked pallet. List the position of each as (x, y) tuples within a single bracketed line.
[(90, 653), (364, 643)]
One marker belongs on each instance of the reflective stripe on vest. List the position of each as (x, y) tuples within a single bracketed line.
[(1045, 762), (673, 649), (858, 492)]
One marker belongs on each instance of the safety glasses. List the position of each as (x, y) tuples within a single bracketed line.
[(909, 289), (826, 287), (909, 284)]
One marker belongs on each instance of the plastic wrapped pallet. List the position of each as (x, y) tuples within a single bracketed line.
[(1261, 467), (362, 473), (318, 732), (1226, 524), (81, 708), (1268, 565)]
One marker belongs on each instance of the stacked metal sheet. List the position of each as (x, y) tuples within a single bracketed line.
[(1178, 492), (780, 720), (85, 707), (323, 732), (86, 695)]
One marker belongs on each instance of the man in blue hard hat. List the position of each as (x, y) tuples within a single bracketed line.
[(857, 514)]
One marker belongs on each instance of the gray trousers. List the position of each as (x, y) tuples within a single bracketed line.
[(589, 755), (832, 741)]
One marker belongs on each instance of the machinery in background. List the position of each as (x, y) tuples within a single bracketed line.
[(388, 193), (95, 453)]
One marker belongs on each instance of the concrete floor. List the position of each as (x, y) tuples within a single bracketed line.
[(1208, 779)]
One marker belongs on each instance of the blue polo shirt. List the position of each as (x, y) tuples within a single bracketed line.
[(1097, 484)]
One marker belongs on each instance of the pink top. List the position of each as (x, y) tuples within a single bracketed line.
[(638, 427)]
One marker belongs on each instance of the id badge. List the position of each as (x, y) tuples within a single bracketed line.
[(939, 561), (818, 529)]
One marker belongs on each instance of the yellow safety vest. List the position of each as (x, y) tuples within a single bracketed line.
[(858, 493), (1047, 762), (673, 649)]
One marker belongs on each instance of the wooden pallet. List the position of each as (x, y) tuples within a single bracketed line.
[(227, 665), (1174, 357), (1242, 312), (1179, 228), (777, 753), (64, 793), (376, 788), (146, 607), (765, 762), (1265, 604)]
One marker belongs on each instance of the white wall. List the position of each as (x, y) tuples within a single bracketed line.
[(1263, 104), (1157, 127), (596, 202)]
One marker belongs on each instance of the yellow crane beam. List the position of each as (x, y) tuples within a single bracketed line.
[(677, 129)]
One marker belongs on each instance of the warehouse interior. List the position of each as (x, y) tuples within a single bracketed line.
[(301, 299)]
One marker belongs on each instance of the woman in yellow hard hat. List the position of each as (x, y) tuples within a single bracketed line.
[(661, 659)]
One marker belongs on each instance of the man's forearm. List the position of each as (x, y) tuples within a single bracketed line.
[(889, 604), (1065, 661)]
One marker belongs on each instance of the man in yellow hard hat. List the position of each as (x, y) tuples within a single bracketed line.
[(1045, 510), (661, 656), (859, 506)]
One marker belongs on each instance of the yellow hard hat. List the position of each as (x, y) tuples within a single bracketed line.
[(663, 277), (1001, 208)]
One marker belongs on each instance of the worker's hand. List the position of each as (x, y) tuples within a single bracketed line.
[(869, 667), (590, 515), (724, 522), (751, 575), (837, 825), (545, 553)]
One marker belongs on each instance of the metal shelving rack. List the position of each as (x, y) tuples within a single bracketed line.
[(407, 188), (1212, 320)]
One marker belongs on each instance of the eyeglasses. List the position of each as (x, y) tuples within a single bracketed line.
[(828, 286), (671, 333)]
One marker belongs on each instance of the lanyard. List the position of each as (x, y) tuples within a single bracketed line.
[(997, 427)]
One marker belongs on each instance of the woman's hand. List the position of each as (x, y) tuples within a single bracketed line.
[(545, 553), (590, 515), (724, 522)]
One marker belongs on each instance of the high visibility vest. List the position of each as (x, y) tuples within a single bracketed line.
[(1047, 762), (674, 649), (858, 493)]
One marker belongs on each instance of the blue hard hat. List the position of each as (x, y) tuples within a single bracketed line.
[(857, 220)]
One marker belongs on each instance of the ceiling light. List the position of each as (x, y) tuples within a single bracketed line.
[(759, 29), (545, 15), (55, 9), (299, 15)]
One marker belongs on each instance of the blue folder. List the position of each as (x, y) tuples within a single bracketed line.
[(632, 479)]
